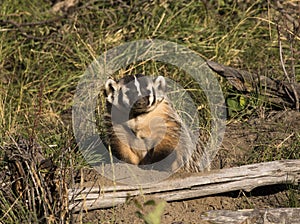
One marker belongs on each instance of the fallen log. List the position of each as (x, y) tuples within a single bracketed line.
[(279, 92), (244, 178), (270, 215)]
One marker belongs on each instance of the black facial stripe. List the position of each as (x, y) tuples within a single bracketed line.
[(120, 99), (132, 93), (145, 90)]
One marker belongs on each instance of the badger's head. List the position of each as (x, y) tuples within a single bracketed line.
[(135, 94)]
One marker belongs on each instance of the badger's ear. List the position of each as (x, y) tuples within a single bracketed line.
[(160, 87), (160, 84), (110, 88)]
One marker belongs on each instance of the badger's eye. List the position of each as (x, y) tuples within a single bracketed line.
[(131, 94), (147, 92)]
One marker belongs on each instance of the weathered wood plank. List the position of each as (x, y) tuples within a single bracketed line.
[(245, 178), (271, 216)]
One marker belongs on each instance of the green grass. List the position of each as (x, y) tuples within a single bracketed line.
[(41, 63)]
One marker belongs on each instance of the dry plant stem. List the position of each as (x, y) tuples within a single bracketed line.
[(19, 26), (294, 76), (29, 170), (21, 30), (284, 140), (38, 112), (46, 204), (291, 81), (12, 205), (36, 194)]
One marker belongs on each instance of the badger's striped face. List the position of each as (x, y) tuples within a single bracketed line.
[(135, 93)]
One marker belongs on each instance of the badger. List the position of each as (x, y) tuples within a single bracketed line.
[(142, 126)]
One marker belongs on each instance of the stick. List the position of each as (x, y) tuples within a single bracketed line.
[(245, 178), (274, 216)]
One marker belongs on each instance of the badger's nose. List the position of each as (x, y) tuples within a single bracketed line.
[(142, 102)]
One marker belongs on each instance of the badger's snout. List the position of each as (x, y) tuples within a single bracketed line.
[(140, 106), (141, 102)]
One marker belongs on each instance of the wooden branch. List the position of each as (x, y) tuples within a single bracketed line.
[(274, 216), (245, 178), (278, 92)]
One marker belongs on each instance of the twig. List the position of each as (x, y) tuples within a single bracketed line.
[(12, 205), (20, 29), (294, 76), (281, 57), (284, 140), (292, 82), (36, 23), (20, 26)]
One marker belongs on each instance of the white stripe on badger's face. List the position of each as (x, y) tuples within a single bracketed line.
[(138, 86), (125, 98), (151, 97)]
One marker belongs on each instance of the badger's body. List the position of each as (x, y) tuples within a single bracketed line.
[(143, 127)]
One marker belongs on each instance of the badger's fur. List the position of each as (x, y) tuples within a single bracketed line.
[(143, 128)]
